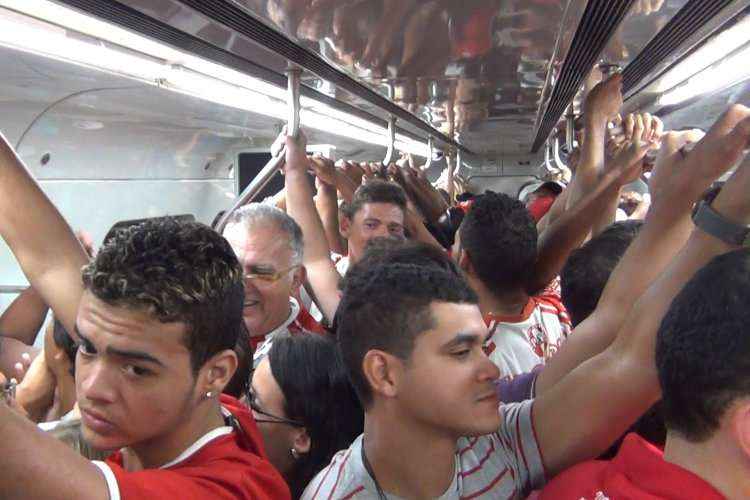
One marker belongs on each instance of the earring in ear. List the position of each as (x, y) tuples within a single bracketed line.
[(209, 394), (295, 454)]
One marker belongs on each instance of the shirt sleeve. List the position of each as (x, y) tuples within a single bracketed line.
[(518, 388), (518, 437), (194, 483)]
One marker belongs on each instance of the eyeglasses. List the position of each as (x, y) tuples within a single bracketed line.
[(272, 277), (270, 417)]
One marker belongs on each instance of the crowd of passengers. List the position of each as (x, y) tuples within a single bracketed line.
[(376, 339)]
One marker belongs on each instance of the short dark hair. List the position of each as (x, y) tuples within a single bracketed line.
[(375, 191), (500, 237), (386, 306), (64, 341), (703, 347), (179, 272), (588, 268), (318, 393)]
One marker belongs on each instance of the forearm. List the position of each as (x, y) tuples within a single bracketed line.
[(345, 186), (327, 206), (665, 232), (321, 274), (592, 159), (28, 455), (569, 231), (28, 223), (24, 317), (607, 216)]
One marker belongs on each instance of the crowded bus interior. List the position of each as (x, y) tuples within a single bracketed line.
[(374, 249)]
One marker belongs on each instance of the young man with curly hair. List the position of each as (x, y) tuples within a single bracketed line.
[(156, 314)]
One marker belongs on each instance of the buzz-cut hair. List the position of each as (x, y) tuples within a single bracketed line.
[(375, 191)]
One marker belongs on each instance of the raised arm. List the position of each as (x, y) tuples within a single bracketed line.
[(24, 317), (326, 202), (28, 454), (570, 229), (28, 223), (321, 273), (665, 232), (624, 375)]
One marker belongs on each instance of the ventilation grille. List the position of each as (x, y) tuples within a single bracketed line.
[(600, 20), (692, 17), (134, 20), (238, 20)]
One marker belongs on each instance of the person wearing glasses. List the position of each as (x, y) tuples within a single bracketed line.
[(302, 433), (268, 244)]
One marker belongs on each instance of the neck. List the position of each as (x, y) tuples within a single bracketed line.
[(268, 330), (509, 303), (717, 461), (407, 459), (156, 452)]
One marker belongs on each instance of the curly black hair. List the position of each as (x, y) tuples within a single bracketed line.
[(500, 237), (178, 272)]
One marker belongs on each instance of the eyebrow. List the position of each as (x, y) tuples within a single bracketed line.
[(463, 339), (136, 355)]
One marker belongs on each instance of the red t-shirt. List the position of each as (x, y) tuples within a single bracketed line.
[(639, 471), (221, 465)]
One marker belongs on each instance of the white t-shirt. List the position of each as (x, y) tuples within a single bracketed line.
[(519, 343), (505, 465)]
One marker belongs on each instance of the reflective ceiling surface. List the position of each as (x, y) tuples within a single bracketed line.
[(477, 70)]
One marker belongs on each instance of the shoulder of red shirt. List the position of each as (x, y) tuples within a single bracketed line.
[(232, 465)]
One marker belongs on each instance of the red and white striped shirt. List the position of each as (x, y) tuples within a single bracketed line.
[(519, 343), (505, 465)]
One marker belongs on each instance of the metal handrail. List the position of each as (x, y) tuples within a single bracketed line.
[(391, 152), (276, 162), (459, 162), (430, 154), (9, 289), (556, 150)]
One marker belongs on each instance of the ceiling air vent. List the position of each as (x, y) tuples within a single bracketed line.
[(691, 18), (600, 20)]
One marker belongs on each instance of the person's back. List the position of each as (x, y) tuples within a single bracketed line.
[(496, 246)]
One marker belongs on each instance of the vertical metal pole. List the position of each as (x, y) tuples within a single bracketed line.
[(391, 152), (275, 163)]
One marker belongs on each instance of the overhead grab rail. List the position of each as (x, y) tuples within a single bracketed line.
[(391, 152), (570, 124), (459, 162), (430, 154), (274, 164), (556, 151)]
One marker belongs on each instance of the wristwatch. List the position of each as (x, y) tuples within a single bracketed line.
[(718, 226)]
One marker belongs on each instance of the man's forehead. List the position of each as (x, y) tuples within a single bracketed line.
[(126, 326), (380, 210), (451, 318), (259, 242)]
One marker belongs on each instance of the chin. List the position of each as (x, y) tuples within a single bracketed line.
[(103, 443)]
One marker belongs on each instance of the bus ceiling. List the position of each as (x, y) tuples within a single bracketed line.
[(491, 78)]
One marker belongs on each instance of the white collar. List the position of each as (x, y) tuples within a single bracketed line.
[(201, 442)]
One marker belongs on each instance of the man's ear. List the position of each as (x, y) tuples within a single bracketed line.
[(464, 262), (740, 425), (217, 372), (345, 225), (383, 372), (299, 278)]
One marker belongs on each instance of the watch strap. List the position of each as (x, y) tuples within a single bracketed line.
[(718, 226)]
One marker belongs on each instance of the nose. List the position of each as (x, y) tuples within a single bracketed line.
[(382, 232), (488, 371), (96, 382)]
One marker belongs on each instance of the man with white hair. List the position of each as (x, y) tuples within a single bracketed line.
[(269, 246)]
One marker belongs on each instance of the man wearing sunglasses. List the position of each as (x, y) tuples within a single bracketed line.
[(268, 244)]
